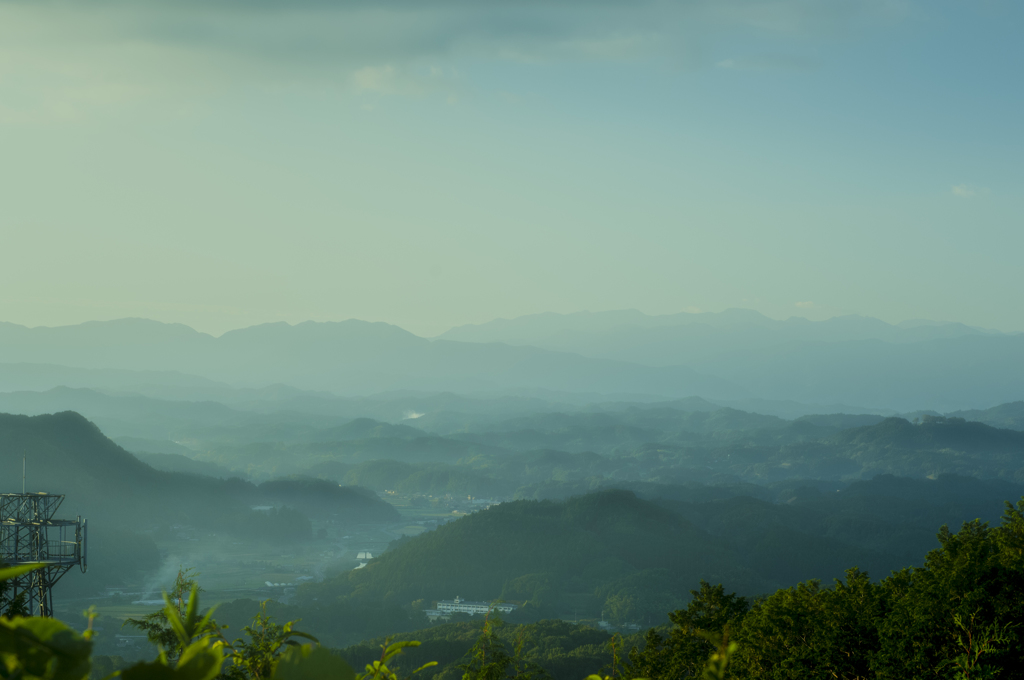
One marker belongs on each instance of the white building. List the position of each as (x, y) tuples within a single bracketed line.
[(446, 608)]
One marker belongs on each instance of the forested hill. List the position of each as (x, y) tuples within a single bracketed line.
[(547, 554), (1009, 416), (935, 434), (612, 552), (66, 454)]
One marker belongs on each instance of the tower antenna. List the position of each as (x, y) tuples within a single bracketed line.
[(24, 464), (29, 534)]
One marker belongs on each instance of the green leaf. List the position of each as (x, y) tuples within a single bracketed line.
[(428, 664), (15, 572), (192, 608), (175, 622), (200, 661), (402, 644), (309, 663), (296, 633), (397, 647), (44, 647)]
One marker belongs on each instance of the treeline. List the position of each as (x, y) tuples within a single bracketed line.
[(960, 615)]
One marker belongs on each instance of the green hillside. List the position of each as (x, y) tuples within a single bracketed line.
[(611, 552), (935, 434), (67, 454), (814, 530), (1009, 416), (554, 556)]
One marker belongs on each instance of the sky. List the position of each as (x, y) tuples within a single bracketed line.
[(434, 163)]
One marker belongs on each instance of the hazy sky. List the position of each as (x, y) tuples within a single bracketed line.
[(435, 163)]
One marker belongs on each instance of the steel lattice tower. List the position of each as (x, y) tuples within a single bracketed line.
[(30, 535)]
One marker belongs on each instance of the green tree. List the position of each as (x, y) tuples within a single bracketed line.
[(522, 666), (199, 653), (970, 592), (621, 607), (685, 651), (976, 643), (809, 632), (256, 658), (158, 627), (380, 670), (487, 659)]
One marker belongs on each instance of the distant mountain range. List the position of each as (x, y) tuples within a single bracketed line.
[(850, 364), (629, 335), (350, 357), (850, 359)]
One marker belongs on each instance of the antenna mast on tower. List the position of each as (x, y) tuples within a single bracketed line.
[(30, 535)]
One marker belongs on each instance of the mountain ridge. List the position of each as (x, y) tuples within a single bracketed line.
[(349, 357), (737, 355)]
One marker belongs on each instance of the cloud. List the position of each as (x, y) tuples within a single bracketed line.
[(805, 305), (969, 191), (321, 34), (60, 58)]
